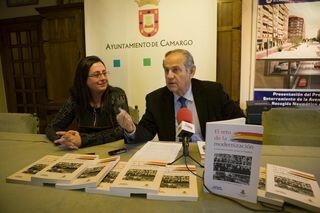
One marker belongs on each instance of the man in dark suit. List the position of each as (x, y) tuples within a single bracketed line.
[(205, 99)]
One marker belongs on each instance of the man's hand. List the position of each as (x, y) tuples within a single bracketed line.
[(125, 121), (69, 140)]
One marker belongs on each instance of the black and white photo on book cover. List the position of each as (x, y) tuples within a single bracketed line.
[(177, 184), (137, 177), (293, 186), (232, 161), (24, 175), (64, 170), (107, 181), (262, 190), (92, 175)]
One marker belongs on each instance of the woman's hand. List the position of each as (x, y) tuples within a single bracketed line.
[(69, 139)]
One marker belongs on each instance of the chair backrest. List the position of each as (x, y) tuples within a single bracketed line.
[(134, 113), (291, 126), (19, 122)]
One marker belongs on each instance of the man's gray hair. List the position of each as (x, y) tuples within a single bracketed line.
[(189, 62)]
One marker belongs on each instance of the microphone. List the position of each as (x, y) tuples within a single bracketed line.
[(185, 128)]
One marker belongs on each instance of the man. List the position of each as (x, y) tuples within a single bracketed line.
[(206, 100)]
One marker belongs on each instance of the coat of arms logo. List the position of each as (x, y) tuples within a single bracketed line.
[(148, 18)]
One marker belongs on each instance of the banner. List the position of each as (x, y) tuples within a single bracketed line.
[(288, 53), (132, 37)]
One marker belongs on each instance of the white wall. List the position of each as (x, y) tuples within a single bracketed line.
[(109, 21)]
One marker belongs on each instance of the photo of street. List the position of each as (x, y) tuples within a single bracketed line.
[(288, 46)]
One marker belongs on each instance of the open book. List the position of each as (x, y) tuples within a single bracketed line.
[(64, 170), (24, 175), (92, 175), (177, 184), (233, 152), (293, 186)]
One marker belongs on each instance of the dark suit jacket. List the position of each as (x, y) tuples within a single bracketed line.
[(212, 104)]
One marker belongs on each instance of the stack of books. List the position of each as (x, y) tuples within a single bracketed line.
[(146, 173)]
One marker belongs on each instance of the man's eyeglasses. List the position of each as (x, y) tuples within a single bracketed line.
[(99, 74)]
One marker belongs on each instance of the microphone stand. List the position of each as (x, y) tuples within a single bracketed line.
[(185, 154)]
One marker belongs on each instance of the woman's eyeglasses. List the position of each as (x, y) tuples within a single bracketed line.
[(99, 74)]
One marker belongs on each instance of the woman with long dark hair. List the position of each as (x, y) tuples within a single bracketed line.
[(93, 105)]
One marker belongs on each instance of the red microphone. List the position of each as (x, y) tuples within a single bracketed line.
[(184, 114), (185, 128)]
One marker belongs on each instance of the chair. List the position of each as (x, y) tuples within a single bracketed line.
[(291, 126), (134, 113), (19, 122)]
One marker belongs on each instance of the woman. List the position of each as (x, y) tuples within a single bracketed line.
[(93, 105)]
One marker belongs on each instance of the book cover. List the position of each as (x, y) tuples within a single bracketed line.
[(107, 181), (138, 178), (262, 190), (64, 170), (232, 160), (24, 175), (293, 186), (201, 148), (92, 175), (177, 184)]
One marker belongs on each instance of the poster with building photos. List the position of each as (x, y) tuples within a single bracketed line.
[(293, 186), (24, 175), (177, 184), (92, 175), (232, 160)]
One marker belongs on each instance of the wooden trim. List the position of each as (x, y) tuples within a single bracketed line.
[(62, 7), (20, 20)]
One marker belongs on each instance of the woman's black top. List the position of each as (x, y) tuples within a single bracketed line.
[(95, 125)]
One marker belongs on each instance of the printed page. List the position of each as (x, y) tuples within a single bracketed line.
[(165, 152)]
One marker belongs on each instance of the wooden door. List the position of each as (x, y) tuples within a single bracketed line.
[(22, 62), (63, 35), (229, 46)]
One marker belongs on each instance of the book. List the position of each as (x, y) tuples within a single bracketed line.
[(262, 190), (64, 170), (138, 178), (104, 185), (24, 175), (177, 184), (293, 186), (92, 175), (232, 160), (201, 148)]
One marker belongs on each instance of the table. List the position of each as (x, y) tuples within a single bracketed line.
[(20, 150)]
